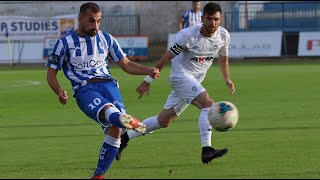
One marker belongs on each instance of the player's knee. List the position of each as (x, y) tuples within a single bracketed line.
[(102, 112), (204, 103), (164, 124), (165, 121)]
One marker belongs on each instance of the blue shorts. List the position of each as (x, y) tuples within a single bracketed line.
[(91, 98)]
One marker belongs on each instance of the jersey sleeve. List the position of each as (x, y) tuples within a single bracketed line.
[(184, 15), (115, 51), (224, 49), (57, 55), (180, 43)]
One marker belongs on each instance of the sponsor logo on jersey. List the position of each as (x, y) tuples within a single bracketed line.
[(88, 64), (53, 59), (194, 89), (201, 60)]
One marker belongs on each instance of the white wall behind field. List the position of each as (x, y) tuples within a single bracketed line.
[(21, 52)]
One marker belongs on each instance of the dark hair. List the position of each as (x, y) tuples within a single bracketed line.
[(195, 1), (211, 8), (93, 7)]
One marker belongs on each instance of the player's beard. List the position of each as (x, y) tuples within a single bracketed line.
[(210, 30), (91, 32)]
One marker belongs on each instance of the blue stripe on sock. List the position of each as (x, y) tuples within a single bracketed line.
[(106, 157), (114, 119)]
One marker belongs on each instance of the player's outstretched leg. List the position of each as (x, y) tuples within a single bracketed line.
[(209, 153), (115, 117)]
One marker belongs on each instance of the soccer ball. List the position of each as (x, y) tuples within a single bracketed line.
[(223, 116)]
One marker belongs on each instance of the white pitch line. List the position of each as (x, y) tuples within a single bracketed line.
[(25, 83)]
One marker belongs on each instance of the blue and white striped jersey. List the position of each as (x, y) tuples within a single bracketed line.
[(83, 57), (191, 18)]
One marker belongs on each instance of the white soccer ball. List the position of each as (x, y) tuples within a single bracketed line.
[(223, 116)]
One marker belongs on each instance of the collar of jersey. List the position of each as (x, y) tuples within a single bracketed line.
[(86, 37)]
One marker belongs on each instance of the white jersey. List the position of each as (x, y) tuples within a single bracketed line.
[(195, 53)]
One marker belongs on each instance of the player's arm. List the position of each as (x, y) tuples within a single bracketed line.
[(144, 87), (55, 86), (164, 60), (54, 64), (176, 49), (224, 67), (180, 22), (137, 69)]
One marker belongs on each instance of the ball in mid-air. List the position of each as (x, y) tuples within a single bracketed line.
[(223, 116)]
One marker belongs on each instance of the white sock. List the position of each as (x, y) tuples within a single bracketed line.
[(112, 141), (205, 128), (151, 123)]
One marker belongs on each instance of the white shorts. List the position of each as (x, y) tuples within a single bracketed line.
[(184, 91)]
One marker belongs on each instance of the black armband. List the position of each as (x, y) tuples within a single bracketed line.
[(176, 49)]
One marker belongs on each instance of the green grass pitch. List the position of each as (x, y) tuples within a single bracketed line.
[(277, 136)]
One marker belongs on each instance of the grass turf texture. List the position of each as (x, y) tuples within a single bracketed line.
[(277, 135)]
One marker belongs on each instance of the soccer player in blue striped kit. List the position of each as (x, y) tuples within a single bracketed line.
[(191, 17), (83, 57)]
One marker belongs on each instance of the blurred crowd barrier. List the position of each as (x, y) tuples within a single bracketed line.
[(269, 29)]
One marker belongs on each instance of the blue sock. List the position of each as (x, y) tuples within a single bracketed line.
[(107, 154), (112, 115), (114, 119)]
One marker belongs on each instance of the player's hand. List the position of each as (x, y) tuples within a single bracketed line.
[(154, 72), (231, 86), (63, 97), (143, 88)]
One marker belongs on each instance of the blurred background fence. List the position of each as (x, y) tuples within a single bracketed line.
[(289, 16), (286, 16), (157, 19)]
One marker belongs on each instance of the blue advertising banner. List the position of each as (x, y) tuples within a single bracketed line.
[(136, 47)]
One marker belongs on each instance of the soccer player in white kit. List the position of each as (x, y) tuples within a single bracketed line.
[(191, 56)]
